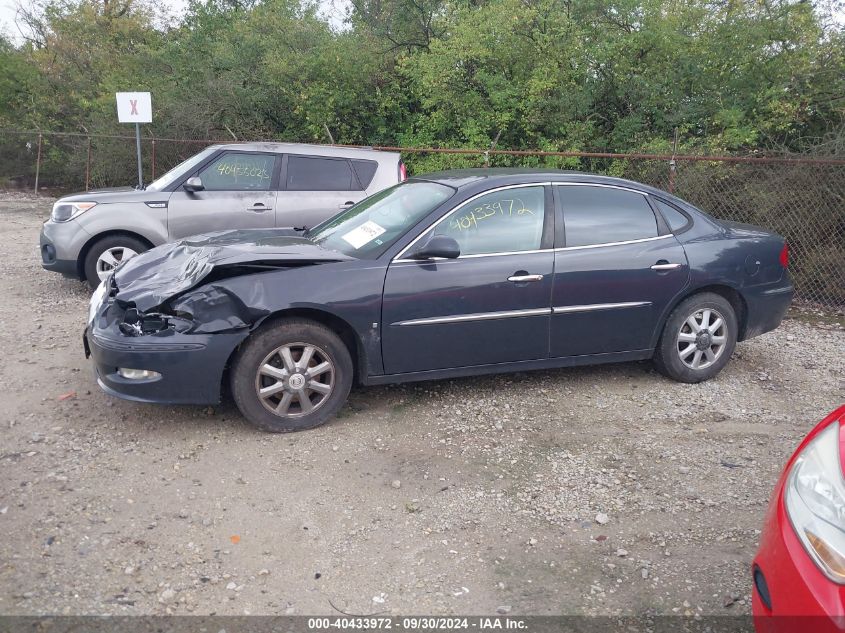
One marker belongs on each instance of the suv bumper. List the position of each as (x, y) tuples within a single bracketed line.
[(60, 245)]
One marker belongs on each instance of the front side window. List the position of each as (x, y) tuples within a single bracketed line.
[(238, 171), (310, 173), (499, 222), (603, 215), (369, 228)]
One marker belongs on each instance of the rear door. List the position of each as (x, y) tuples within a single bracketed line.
[(239, 193), (617, 272), (490, 305), (314, 188)]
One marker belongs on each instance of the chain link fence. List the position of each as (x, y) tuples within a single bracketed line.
[(802, 199)]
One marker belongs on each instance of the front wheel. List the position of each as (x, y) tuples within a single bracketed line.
[(105, 254), (698, 338), (291, 375)]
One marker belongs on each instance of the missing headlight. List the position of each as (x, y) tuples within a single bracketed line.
[(136, 324)]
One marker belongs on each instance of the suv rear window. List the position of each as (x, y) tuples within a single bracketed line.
[(312, 173), (365, 170)]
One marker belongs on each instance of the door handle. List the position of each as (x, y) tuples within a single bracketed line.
[(259, 207), (666, 266), (346, 205), (522, 278)]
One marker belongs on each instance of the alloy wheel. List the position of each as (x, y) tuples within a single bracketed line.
[(295, 379), (702, 338), (110, 258)]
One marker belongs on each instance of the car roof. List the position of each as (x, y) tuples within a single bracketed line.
[(314, 149), (492, 176)]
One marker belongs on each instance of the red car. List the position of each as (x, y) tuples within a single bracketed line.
[(799, 570)]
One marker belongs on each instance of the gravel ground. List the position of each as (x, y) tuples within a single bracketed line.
[(606, 490)]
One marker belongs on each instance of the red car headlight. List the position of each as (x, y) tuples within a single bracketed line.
[(815, 502)]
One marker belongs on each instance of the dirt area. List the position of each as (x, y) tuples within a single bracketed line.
[(605, 490)]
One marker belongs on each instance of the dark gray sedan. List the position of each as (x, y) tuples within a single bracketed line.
[(452, 274)]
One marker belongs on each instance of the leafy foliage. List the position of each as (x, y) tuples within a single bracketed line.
[(600, 75)]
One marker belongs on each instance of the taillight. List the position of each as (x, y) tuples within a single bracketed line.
[(784, 255), (403, 172)]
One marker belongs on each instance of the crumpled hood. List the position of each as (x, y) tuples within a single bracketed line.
[(162, 273)]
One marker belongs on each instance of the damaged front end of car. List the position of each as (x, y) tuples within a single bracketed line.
[(193, 286), (201, 296)]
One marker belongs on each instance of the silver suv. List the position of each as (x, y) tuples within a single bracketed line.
[(233, 186)]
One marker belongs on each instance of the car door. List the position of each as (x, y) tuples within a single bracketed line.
[(616, 273), (239, 192), (315, 188), (491, 304)]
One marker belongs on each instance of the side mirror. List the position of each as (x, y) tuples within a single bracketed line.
[(437, 246), (193, 184)]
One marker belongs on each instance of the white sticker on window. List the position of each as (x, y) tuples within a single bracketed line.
[(365, 233)]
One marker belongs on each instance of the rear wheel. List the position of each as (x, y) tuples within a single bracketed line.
[(291, 375), (698, 338), (105, 254)]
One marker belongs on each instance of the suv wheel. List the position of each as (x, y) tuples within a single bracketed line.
[(698, 338), (105, 254), (291, 375)]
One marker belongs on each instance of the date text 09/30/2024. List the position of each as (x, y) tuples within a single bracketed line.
[(480, 623)]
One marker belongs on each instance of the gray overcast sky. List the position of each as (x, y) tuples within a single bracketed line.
[(332, 9)]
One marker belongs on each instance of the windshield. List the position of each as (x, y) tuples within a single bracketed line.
[(162, 182), (370, 227)]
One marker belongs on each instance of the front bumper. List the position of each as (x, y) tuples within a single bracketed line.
[(60, 244), (800, 596), (191, 366)]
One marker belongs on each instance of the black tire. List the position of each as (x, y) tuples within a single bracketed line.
[(101, 246), (668, 355), (263, 348)]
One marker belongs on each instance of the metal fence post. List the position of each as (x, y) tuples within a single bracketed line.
[(153, 161), (672, 162), (88, 166), (38, 164), (672, 175)]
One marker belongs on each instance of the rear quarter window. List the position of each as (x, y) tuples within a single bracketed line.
[(676, 220), (365, 170), (313, 173)]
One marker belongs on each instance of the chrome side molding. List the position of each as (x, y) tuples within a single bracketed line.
[(599, 306), (477, 316)]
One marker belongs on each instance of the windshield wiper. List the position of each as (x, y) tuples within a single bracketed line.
[(301, 229)]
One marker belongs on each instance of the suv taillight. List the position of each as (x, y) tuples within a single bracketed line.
[(403, 172), (784, 255)]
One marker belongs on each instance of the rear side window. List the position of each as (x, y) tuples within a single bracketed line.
[(676, 220), (238, 171), (312, 173), (365, 170), (602, 215)]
